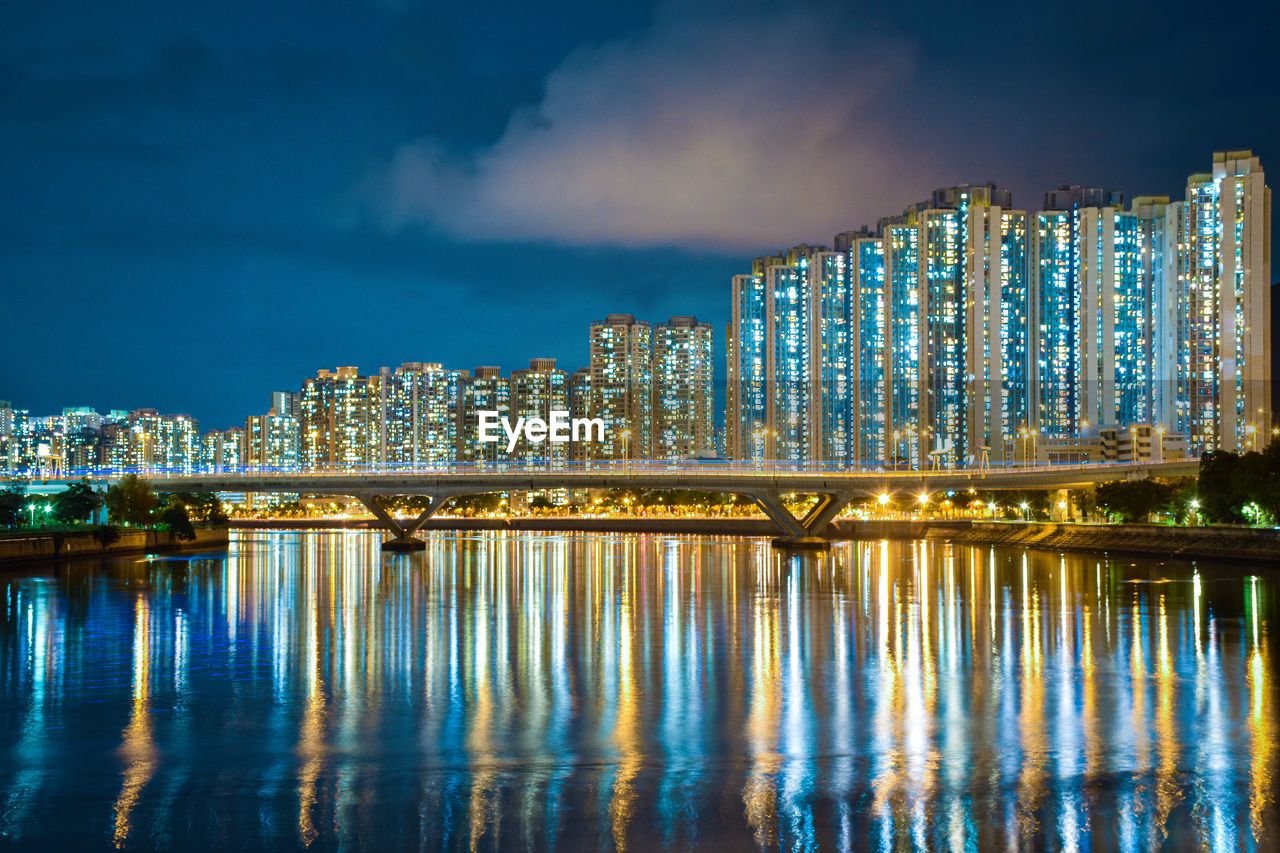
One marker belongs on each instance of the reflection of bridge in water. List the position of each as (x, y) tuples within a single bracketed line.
[(764, 484)]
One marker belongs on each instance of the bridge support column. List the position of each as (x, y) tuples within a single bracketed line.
[(403, 540), (807, 532)]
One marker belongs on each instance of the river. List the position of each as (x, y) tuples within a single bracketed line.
[(637, 691)]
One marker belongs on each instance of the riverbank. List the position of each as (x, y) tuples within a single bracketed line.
[(58, 545), (1249, 544), (1152, 540)]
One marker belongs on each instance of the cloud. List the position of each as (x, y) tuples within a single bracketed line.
[(708, 129)]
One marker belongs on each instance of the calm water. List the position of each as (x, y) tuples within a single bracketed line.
[(526, 691)]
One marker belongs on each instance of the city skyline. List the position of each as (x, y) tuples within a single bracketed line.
[(1146, 208), (253, 198), (960, 332), (965, 331), (650, 386)]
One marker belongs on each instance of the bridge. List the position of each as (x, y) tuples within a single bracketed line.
[(762, 483)]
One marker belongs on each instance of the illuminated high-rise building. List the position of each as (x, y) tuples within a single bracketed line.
[(902, 344), (749, 376), (340, 420), (272, 442), (285, 403), (901, 347), (1122, 261), (151, 441), (831, 395), (421, 412), (955, 296), (80, 417), (789, 342), (789, 357), (869, 334), (1222, 305), (536, 393), (1063, 337), (1056, 325), (223, 450), (486, 390), (1114, 304), (113, 447), (1003, 317), (622, 385), (580, 450), (683, 423)]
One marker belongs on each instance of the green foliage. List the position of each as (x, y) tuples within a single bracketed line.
[(541, 502), (470, 504), (1237, 489), (1086, 500), (202, 506), (175, 517), (77, 503), (1134, 500), (106, 534), (12, 503), (131, 501)]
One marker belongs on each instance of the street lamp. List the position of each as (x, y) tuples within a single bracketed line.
[(44, 508), (1025, 514)]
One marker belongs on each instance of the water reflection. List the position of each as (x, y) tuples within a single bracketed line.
[(623, 692)]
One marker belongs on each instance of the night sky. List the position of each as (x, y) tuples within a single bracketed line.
[(203, 204)]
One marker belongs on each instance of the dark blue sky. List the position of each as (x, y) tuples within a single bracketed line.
[(202, 205)]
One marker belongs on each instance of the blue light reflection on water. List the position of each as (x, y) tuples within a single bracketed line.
[(526, 690)]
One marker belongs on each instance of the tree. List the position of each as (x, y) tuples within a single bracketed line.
[(175, 517), (1216, 487), (12, 501), (131, 501), (471, 504), (1011, 502), (1134, 500), (1233, 489), (77, 503), (202, 506)]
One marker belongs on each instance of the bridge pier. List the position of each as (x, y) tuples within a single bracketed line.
[(403, 539), (805, 533)]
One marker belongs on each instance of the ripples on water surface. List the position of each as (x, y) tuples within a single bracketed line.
[(528, 691)]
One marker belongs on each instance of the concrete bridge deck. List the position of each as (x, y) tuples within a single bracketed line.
[(764, 483)]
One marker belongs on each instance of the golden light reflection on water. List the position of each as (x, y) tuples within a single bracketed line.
[(642, 692), (138, 748)]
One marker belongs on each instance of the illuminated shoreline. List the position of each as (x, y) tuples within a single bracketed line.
[(1152, 540)]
